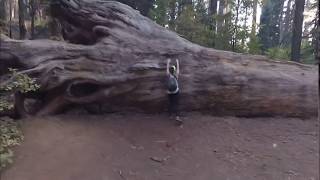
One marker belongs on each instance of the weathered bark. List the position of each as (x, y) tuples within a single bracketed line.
[(297, 30), (117, 57)]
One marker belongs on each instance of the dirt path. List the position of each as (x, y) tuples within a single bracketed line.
[(128, 146)]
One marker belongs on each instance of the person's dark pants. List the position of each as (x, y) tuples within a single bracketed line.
[(173, 104)]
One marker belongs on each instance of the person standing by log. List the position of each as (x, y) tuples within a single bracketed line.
[(173, 90)]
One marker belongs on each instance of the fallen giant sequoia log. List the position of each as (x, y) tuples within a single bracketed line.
[(116, 57)]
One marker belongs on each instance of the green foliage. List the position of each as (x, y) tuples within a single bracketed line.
[(10, 133), (190, 27), (224, 35), (254, 45), (41, 23), (284, 53), (20, 82), (279, 53), (307, 53), (242, 35), (5, 105), (159, 12)]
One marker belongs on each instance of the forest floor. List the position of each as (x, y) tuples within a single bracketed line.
[(150, 147)]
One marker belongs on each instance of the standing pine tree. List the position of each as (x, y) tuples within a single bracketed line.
[(172, 8), (212, 13), (297, 30), (159, 12), (269, 32)]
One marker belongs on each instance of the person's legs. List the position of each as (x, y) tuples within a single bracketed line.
[(176, 104), (174, 107), (171, 105)]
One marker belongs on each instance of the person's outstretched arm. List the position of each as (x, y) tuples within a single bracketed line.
[(178, 67), (168, 64)]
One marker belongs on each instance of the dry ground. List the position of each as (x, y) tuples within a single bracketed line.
[(150, 147)]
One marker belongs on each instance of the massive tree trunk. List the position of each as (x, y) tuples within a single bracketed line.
[(297, 30), (117, 58)]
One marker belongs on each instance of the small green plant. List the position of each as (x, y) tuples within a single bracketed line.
[(20, 82), (10, 133), (279, 53), (254, 45)]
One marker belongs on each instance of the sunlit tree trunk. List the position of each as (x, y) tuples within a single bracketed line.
[(245, 24), (297, 30), (254, 18), (286, 25), (316, 37), (212, 12)]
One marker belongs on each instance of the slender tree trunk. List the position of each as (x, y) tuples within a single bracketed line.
[(32, 13), (22, 26), (15, 9), (10, 19), (316, 37), (234, 42), (212, 12), (284, 33), (221, 14), (245, 25), (172, 13), (297, 30), (254, 18), (280, 21)]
